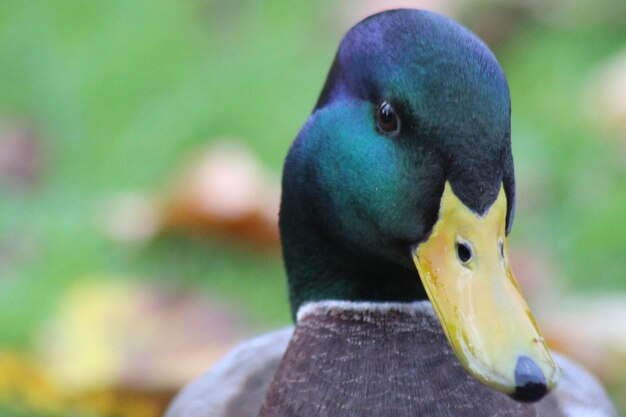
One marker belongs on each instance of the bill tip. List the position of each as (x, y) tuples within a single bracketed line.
[(530, 383)]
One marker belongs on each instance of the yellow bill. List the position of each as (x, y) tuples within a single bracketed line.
[(466, 272)]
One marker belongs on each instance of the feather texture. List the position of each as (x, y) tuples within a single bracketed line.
[(392, 360), (237, 385)]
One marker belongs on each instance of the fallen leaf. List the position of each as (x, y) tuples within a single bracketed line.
[(222, 191), (604, 98), (112, 333), (21, 157)]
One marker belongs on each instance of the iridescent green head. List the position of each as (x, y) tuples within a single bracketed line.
[(412, 100), (406, 162)]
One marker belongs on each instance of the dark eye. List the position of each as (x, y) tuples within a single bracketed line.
[(387, 119)]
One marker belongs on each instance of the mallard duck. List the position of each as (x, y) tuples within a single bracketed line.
[(397, 196)]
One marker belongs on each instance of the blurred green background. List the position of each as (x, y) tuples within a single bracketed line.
[(112, 97)]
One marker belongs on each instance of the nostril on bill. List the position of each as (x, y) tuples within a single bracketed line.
[(463, 252), (530, 383)]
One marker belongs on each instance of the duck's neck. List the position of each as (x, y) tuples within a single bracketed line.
[(376, 359), (321, 268)]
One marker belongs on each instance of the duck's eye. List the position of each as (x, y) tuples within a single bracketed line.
[(387, 119)]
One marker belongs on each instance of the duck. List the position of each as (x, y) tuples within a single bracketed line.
[(398, 194)]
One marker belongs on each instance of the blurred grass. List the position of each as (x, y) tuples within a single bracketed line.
[(118, 92), (582, 171)]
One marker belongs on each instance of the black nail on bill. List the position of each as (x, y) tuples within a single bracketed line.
[(529, 380)]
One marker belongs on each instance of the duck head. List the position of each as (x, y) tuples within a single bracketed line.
[(400, 187)]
